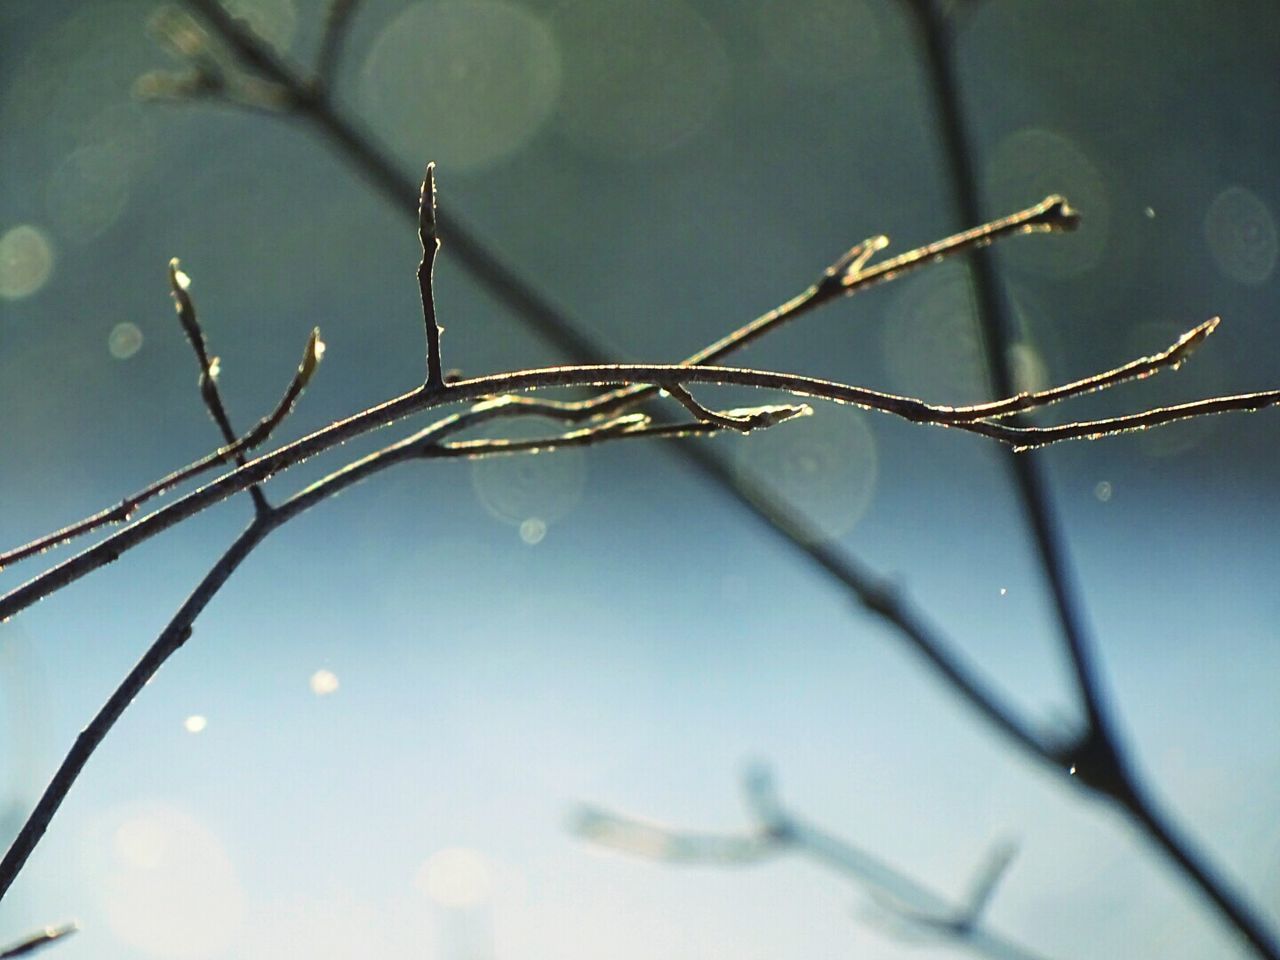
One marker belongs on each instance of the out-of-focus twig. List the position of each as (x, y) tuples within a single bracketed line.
[(337, 20), (427, 444), (234, 450), (1097, 755), (911, 905)]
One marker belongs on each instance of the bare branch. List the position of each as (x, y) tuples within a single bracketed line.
[(661, 375), (424, 444), (779, 831), (125, 509), (337, 19), (38, 941), (430, 246), (849, 275), (743, 420), (308, 103), (180, 287)]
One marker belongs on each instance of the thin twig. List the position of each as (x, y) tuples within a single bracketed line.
[(125, 509), (425, 444), (912, 904), (430, 241), (845, 275), (850, 274), (38, 941), (744, 421), (661, 375), (180, 287), (1099, 754)]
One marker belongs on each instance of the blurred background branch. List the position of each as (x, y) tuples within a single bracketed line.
[(1070, 749)]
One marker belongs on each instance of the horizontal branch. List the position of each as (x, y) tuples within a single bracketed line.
[(426, 444), (850, 274), (968, 418), (125, 509)]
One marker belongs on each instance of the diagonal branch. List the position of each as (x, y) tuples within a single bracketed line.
[(1102, 759), (1051, 214), (850, 274), (125, 509), (337, 20), (916, 907), (661, 375), (426, 444), (38, 941), (180, 286)]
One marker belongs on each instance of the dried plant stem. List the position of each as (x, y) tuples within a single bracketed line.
[(1096, 752), (37, 941), (971, 418), (430, 247), (1099, 754), (426, 444), (235, 450), (179, 286), (850, 275), (843, 278), (909, 903)]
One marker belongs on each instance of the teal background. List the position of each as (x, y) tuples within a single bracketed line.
[(663, 172)]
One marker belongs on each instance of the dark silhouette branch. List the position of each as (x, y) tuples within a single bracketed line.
[(1099, 754), (38, 941), (236, 449), (972, 419), (430, 247), (179, 285), (337, 19), (1094, 757)]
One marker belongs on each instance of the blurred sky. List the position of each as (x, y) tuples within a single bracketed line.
[(404, 693)]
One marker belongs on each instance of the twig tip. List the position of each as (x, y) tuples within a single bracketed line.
[(1055, 214), (311, 358), (427, 206), (178, 278)]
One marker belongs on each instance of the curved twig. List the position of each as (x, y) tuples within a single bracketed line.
[(125, 509)]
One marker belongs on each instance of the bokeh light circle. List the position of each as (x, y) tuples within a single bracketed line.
[(124, 341), (1028, 166), (171, 889), (820, 42), (26, 261), (324, 682), (463, 82), (88, 190), (639, 78), (1241, 233), (456, 877), (543, 487), (825, 466), (932, 346)]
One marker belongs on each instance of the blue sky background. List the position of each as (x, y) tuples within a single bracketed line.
[(663, 172)]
